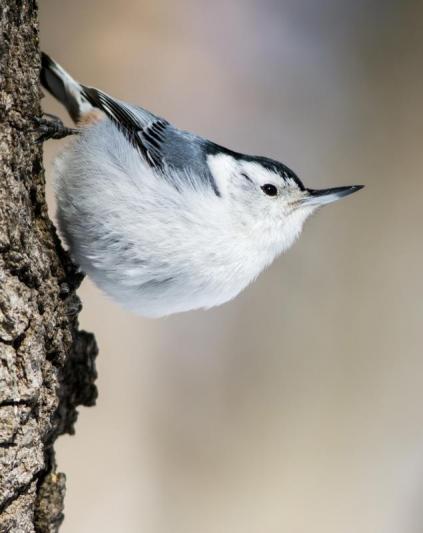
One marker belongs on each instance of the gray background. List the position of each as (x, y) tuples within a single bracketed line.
[(296, 408)]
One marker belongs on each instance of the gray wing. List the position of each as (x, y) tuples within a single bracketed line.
[(159, 142)]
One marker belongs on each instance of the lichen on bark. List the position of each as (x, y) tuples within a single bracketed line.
[(46, 364)]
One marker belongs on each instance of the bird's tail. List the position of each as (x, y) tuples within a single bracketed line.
[(63, 87)]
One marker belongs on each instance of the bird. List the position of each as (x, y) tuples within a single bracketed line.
[(163, 220)]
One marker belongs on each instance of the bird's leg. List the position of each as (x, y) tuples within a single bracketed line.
[(51, 127)]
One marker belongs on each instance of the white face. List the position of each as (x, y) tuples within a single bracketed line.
[(266, 203)]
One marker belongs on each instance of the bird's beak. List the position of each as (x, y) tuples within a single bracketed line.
[(319, 197)]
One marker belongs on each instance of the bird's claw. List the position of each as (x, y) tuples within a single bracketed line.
[(51, 127)]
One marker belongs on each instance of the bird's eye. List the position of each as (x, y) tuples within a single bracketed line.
[(269, 189)]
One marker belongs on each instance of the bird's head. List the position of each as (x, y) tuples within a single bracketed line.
[(267, 198)]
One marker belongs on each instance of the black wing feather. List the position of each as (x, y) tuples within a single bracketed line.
[(146, 137)]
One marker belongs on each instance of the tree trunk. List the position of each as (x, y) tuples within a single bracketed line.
[(46, 364)]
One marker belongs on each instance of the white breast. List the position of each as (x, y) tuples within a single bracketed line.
[(155, 249)]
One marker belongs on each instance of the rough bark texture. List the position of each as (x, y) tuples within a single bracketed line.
[(46, 364)]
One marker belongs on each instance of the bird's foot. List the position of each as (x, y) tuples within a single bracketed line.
[(51, 127)]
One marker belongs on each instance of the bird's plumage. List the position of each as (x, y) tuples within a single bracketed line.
[(159, 142), (162, 219)]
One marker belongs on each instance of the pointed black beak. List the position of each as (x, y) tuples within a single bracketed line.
[(327, 196)]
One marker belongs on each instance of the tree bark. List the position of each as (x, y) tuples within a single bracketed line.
[(46, 364)]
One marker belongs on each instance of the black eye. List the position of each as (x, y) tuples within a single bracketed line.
[(269, 189)]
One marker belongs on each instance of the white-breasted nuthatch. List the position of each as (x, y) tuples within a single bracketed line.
[(161, 219)]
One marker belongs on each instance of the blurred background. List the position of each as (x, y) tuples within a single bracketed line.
[(297, 407)]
